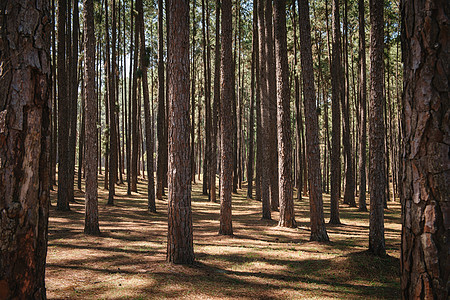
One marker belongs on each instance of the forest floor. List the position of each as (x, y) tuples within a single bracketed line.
[(261, 260)]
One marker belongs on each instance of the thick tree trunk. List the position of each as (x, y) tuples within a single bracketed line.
[(318, 231), (161, 118), (426, 137), (335, 117), (226, 122), (90, 106), (179, 240), (377, 179), (287, 216), (25, 129)]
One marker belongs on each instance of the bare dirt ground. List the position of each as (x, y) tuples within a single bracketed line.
[(261, 260)]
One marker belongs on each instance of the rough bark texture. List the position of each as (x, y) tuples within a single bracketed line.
[(265, 116), (362, 110), (335, 117), (272, 105), (90, 107), (425, 193), (226, 122), (180, 247), (25, 108), (161, 117), (377, 179), (63, 113), (286, 196), (135, 115), (318, 231), (147, 121)]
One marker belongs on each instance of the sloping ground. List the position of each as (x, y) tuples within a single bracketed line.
[(261, 261)]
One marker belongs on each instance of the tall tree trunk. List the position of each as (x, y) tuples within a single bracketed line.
[(362, 110), (111, 71), (377, 179), (25, 129), (318, 231), (90, 106), (130, 92), (73, 96), (81, 138), (335, 117), (134, 114), (162, 145), (287, 216), (298, 114), (426, 165), (63, 112), (251, 123), (272, 126), (349, 191), (265, 115), (226, 122), (148, 125), (180, 239)]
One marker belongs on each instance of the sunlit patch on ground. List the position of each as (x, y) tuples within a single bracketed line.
[(261, 261)]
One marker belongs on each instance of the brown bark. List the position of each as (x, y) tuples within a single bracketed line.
[(216, 105), (193, 77), (134, 115), (25, 129), (63, 112), (335, 117), (90, 106), (425, 261), (162, 139), (265, 116), (362, 110), (226, 122), (251, 125), (286, 197), (110, 71), (179, 240), (318, 231), (271, 94), (377, 179), (148, 126)]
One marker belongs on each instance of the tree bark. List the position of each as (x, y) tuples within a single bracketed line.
[(362, 110), (335, 117), (226, 122), (25, 129), (377, 179), (265, 116), (286, 197), (272, 125), (148, 125), (90, 106), (425, 162), (180, 239), (162, 145), (63, 112), (318, 231)]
